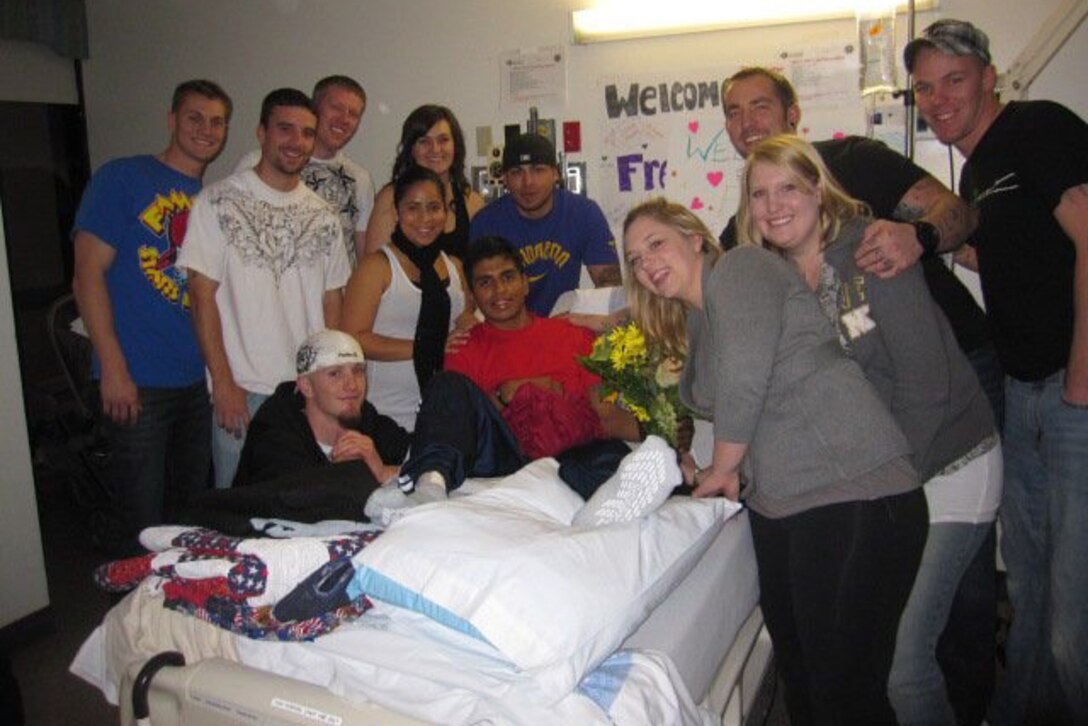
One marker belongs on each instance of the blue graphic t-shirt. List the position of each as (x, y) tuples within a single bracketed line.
[(554, 247), (140, 207)]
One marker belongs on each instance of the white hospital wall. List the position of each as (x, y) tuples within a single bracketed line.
[(408, 52), (22, 567), (28, 72)]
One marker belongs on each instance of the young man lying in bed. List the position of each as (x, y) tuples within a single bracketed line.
[(512, 391), (322, 417), (317, 450)]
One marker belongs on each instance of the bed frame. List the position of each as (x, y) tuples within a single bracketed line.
[(165, 691)]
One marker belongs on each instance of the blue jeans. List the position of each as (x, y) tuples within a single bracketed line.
[(156, 464), (916, 685), (967, 649), (227, 448), (1044, 518)]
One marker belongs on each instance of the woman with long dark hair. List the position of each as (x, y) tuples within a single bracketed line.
[(403, 301), (430, 138)]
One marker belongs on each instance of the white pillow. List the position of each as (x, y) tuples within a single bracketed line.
[(506, 566)]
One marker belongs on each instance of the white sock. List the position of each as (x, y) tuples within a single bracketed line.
[(641, 484), (430, 487), (385, 498)]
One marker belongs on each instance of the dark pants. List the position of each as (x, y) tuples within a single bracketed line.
[(156, 464), (833, 583), (459, 433)]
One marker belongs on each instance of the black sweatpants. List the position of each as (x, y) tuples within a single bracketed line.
[(833, 583)]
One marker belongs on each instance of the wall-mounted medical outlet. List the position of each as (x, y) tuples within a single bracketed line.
[(575, 180)]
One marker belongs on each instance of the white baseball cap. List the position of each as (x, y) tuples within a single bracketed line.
[(327, 348)]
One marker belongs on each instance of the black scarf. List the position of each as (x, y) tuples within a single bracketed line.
[(433, 324)]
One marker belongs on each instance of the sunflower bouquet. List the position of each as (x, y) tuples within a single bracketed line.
[(641, 378)]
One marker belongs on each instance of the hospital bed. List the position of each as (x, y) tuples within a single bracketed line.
[(685, 645)]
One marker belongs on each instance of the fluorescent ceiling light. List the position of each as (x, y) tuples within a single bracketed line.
[(625, 19)]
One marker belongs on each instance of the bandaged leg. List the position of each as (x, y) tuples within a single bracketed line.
[(642, 483)]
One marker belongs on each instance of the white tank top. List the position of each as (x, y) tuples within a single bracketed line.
[(391, 385)]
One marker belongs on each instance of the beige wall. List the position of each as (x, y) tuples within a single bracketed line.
[(33, 72), (29, 72)]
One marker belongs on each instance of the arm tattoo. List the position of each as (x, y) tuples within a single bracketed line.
[(930, 200), (906, 212)]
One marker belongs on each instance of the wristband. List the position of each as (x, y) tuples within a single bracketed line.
[(928, 236)]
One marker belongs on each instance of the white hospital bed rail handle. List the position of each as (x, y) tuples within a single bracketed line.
[(140, 709)]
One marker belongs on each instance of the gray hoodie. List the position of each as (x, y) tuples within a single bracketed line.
[(765, 366)]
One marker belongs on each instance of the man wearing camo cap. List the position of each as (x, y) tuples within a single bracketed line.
[(1026, 172)]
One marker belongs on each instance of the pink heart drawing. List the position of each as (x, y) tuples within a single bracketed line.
[(696, 203), (715, 178), (693, 126)]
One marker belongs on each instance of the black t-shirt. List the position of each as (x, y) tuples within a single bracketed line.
[(1032, 153), (870, 171)]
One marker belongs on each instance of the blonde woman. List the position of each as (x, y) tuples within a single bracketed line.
[(895, 331), (838, 518)]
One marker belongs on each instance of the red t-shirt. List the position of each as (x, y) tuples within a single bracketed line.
[(545, 347)]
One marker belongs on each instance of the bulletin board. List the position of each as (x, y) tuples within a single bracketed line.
[(664, 134)]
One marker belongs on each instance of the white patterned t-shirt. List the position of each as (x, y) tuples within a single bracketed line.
[(346, 186), (274, 255)]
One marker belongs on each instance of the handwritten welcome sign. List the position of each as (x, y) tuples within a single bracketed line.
[(665, 136)]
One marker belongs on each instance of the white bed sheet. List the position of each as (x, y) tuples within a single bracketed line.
[(693, 628), (695, 625), (409, 664)]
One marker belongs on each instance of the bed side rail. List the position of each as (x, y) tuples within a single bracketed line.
[(163, 691)]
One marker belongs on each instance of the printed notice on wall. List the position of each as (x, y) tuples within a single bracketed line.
[(823, 76), (533, 75)]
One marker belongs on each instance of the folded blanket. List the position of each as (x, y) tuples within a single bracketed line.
[(234, 583)]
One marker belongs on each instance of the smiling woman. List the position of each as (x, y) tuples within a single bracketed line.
[(839, 523), (431, 138), (402, 301), (906, 348)]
